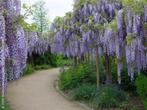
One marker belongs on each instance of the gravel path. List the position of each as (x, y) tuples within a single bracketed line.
[(37, 92)]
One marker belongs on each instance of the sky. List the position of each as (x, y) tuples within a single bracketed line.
[(54, 7)]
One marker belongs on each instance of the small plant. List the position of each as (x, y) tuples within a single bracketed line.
[(76, 76), (141, 84), (63, 61), (109, 97), (65, 80), (28, 70), (84, 92), (6, 105)]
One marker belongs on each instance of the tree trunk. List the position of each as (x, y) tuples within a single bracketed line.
[(108, 69), (97, 68), (82, 58), (88, 57), (75, 61)]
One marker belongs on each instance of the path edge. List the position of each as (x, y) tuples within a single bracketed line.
[(56, 82)]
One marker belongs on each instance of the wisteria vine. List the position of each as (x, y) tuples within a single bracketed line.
[(117, 28), (16, 43)]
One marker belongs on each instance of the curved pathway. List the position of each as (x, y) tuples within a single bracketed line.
[(37, 92)]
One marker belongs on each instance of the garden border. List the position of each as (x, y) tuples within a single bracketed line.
[(70, 99)]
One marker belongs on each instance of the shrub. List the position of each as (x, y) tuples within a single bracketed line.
[(65, 80), (145, 103), (83, 92), (126, 83), (75, 76), (141, 84), (109, 97), (46, 58), (63, 61), (28, 70)]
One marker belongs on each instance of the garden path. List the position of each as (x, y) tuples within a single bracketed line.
[(37, 92)]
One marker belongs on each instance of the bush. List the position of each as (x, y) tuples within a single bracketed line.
[(75, 76), (65, 80), (63, 61), (80, 82), (141, 85), (126, 83), (47, 58), (83, 92), (109, 97), (7, 107), (28, 70)]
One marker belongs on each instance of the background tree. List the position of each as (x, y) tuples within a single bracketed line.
[(40, 17)]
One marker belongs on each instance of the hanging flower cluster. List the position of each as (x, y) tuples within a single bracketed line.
[(37, 44), (15, 43), (117, 27), (15, 39), (2, 52)]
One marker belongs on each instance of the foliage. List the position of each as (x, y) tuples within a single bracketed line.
[(40, 17), (62, 60), (28, 10), (98, 24), (75, 76), (28, 70), (45, 59), (28, 27), (7, 107), (80, 82), (80, 3), (127, 84), (130, 38), (109, 97), (42, 67), (84, 92), (136, 5), (31, 68), (141, 84)]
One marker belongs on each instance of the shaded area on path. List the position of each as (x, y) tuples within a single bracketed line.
[(37, 92)]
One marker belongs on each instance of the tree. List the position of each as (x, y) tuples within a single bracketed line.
[(40, 17)]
